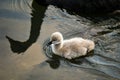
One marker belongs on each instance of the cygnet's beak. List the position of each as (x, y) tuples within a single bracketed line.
[(53, 42), (49, 43)]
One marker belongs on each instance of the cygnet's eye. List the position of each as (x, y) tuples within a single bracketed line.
[(54, 39)]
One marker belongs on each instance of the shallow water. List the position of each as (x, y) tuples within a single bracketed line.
[(22, 55)]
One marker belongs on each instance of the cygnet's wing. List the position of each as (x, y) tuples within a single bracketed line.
[(74, 48), (81, 51), (75, 54)]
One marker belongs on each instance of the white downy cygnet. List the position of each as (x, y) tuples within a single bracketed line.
[(71, 48)]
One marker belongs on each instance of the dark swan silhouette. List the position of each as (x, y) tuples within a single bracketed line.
[(84, 6), (79, 7), (36, 21)]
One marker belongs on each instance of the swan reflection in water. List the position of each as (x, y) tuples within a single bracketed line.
[(70, 48)]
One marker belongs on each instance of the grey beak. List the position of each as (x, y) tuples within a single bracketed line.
[(49, 43)]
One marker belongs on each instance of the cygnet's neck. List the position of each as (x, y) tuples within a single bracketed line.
[(58, 46)]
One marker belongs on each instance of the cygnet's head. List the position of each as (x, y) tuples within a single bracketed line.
[(56, 38)]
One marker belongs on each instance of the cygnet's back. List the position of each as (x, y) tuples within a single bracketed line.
[(75, 47), (71, 48)]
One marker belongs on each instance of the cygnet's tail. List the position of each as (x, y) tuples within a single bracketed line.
[(91, 46)]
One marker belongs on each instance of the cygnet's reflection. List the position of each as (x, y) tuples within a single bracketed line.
[(71, 48)]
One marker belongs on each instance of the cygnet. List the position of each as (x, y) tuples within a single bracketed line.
[(70, 48)]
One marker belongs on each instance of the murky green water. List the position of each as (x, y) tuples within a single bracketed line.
[(21, 22)]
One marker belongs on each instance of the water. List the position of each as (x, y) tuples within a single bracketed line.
[(23, 34)]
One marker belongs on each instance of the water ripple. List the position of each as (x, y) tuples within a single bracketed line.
[(21, 6)]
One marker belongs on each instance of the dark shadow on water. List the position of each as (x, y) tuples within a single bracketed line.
[(36, 21), (54, 62)]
